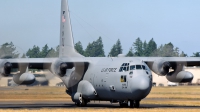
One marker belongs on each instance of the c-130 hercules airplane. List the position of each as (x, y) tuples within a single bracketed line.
[(126, 80)]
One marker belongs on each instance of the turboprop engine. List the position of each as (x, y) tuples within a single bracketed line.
[(5, 68), (60, 68), (161, 67), (19, 78)]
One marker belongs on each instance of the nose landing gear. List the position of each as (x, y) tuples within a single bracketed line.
[(136, 103), (130, 103), (123, 104)]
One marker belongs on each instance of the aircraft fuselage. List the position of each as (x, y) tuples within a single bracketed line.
[(113, 79)]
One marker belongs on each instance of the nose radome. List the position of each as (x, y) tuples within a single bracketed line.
[(140, 86), (143, 83)]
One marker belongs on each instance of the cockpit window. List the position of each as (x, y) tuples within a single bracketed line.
[(138, 67), (132, 67), (127, 68), (121, 68), (124, 67), (143, 67), (146, 67)]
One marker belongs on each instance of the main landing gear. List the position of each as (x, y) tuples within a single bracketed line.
[(130, 103), (83, 102)]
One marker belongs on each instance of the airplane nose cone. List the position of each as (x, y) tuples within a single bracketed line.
[(143, 84), (140, 87)]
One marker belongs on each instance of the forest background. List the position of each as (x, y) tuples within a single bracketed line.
[(139, 48)]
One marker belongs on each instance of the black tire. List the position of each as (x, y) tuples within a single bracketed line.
[(131, 103), (123, 104), (120, 104), (77, 104), (84, 102), (137, 104)]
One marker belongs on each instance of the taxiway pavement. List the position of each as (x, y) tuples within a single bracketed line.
[(70, 105)]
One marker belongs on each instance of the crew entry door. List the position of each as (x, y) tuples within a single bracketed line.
[(124, 81)]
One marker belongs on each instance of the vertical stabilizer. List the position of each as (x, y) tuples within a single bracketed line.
[(66, 38)]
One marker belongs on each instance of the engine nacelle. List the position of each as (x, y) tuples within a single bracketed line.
[(24, 79), (60, 68), (182, 76), (5, 68), (160, 67)]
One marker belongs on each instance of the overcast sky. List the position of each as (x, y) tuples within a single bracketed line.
[(36, 22)]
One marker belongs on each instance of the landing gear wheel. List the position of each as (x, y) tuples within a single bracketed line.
[(137, 104), (83, 103), (131, 103), (77, 104), (123, 104)]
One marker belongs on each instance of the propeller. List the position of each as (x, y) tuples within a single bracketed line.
[(19, 70), (9, 51)]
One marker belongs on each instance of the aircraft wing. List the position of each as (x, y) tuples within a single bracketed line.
[(54, 65), (40, 63), (36, 63), (172, 67), (186, 61)]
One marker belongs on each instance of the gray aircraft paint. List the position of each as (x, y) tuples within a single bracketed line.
[(66, 36), (101, 74)]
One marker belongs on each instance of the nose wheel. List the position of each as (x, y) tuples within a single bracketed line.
[(123, 104), (130, 103), (136, 104)]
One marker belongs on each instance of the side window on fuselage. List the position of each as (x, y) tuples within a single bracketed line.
[(123, 78)]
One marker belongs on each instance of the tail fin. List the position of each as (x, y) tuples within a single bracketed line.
[(66, 37)]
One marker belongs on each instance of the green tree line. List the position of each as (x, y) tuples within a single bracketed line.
[(96, 49), (138, 48)]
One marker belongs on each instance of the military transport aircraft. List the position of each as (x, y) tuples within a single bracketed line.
[(126, 80)]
